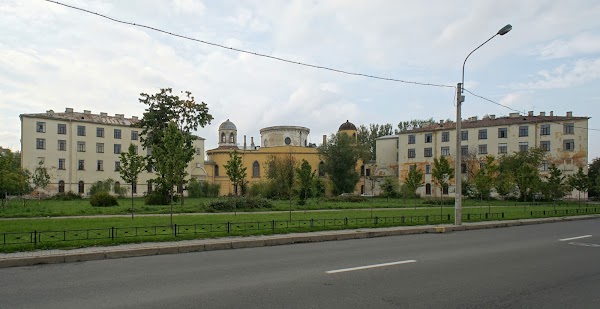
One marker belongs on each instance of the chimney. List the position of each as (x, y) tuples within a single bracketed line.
[(542, 113), (513, 115), (551, 113), (530, 113), (324, 139), (50, 112), (103, 114), (120, 116), (87, 112), (569, 114), (244, 142), (69, 110), (492, 116), (442, 121), (252, 142)]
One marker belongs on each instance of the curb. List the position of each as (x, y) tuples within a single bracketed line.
[(148, 249)]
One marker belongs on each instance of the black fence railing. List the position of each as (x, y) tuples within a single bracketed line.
[(574, 211)]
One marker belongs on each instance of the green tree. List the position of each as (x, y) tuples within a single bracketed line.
[(554, 187), (580, 181), (40, 178), (594, 178), (412, 182), (280, 171), (14, 180), (340, 156), (132, 165), (172, 158), (413, 124), (441, 173), (367, 138), (236, 171), (483, 181), (390, 187), (306, 177), (524, 167)]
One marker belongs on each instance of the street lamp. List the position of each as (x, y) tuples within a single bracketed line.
[(457, 164)]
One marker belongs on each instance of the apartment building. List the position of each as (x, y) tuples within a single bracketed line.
[(564, 138), (80, 148)]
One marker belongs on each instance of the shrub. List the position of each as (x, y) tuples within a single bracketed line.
[(108, 186), (347, 198), (103, 199), (157, 198), (436, 201), (202, 189), (240, 203), (261, 188), (62, 196)]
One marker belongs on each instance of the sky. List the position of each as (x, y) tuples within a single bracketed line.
[(53, 57)]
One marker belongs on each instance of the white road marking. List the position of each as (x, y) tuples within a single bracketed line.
[(583, 244), (572, 238), (369, 266)]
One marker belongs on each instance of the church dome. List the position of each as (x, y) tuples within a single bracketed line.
[(347, 126), (227, 125)]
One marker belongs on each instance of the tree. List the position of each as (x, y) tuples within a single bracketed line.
[(389, 187), (40, 178), (172, 158), (412, 182), (132, 165), (413, 124), (367, 138), (305, 181), (554, 187), (14, 180), (580, 181), (340, 156), (524, 167), (483, 182), (236, 171), (594, 177), (165, 110), (442, 173), (280, 171)]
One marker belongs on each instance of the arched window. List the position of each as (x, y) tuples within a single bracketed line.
[(117, 186), (61, 187), (321, 169), (222, 137), (231, 138), (216, 170), (428, 189), (81, 187), (255, 169), (362, 170)]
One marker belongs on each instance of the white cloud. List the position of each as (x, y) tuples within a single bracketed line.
[(189, 7), (581, 44), (565, 76)]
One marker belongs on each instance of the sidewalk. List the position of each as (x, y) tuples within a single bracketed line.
[(185, 246)]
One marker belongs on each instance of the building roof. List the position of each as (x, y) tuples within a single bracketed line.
[(347, 126), (491, 121), (86, 116), (227, 125)]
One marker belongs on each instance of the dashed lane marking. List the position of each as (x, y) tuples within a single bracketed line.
[(573, 238), (369, 266)]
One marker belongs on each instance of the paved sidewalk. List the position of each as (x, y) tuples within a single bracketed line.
[(184, 246)]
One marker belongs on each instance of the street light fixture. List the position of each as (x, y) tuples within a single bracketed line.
[(457, 164)]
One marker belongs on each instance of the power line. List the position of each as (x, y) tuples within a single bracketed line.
[(251, 52)]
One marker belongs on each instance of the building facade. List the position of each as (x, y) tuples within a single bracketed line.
[(79, 149), (564, 138)]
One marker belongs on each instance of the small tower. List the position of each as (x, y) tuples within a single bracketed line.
[(350, 129), (227, 134)]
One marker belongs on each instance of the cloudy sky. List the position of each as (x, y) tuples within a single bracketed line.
[(52, 57)]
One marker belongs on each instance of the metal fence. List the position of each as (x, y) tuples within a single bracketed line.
[(574, 211)]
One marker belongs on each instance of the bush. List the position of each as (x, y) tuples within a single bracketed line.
[(157, 198), (347, 198), (261, 188), (108, 186), (436, 201), (62, 196), (202, 189), (103, 199), (240, 203)]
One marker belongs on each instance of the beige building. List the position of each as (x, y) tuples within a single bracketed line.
[(79, 149), (564, 138)]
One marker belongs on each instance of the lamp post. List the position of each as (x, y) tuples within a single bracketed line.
[(457, 164)]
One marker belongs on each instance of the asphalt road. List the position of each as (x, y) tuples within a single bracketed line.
[(535, 266)]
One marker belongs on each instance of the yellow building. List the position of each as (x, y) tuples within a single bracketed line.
[(276, 141)]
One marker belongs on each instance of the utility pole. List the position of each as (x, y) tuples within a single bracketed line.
[(457, 164)]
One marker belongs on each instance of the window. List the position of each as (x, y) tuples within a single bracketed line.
[(428, 138), (569, 128), (100, 165), (464, 135), (368, 172), (427, 152), (523, 146), (231, 138), (117, 148), (412, 153), (288, 141), (81, 165), (463, 168), (134, 135), (483, 149), (117, 134), (40, 143), (445, 136), (216, 170), (81, 187), (412, 168), (62, 145), (545, 166), (40, 127), (99, 132), (62, 128), (198, 151), (502, 148), (149, 168), (545, 129), (428, 189), (222, 137), (321, 169), (61, 164), (80, 130), (482, 134), (80, 146), (523, 131), (569, 145), (464, 150), (545, 145), (427, 169), (149, 151), (117, 186), (411, 139), (502, 132), (135, 149), (149, 187), (362, 170), (256, 169), (61, 187), (445, 151), (99, 147), (117, 166)]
